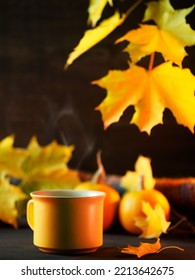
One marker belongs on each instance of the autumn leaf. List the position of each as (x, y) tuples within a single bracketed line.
[(94, 36), (171, 20), (154, 223), (170, 37), (147, 248), (45, 159), (34, 168), (10, 197), (150, 91), (143, 167), (141, 178), (46, 167), (148, 39), (11, 158), (62, 178), (38, 167), (143, 249), (95, 10)]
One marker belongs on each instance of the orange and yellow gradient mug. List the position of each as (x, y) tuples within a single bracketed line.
[(66, 220)]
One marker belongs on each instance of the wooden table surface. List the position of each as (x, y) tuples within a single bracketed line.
[(18, 245)]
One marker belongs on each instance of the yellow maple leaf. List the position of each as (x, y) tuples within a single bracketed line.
[(11, 158), (143, 167), (141, 178), (47, 163), (94, 36), (45, 159), (9, 197), (59, 179), (148, 39), (46, 167), (36, 167), (171, 20), (147, 248), (150, 91), (154, 223), (170, 37), (95, 10)]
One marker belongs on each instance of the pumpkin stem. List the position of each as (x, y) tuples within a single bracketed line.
[(140, 183)]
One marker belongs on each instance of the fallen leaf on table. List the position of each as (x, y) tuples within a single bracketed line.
[(149, 92), (143, 249), (141, 178), (147, 248), (154, 223), (10, 196)]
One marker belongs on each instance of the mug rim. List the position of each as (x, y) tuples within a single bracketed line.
[(66, 193)]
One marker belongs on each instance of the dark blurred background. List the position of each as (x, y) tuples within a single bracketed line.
[(37, 97)]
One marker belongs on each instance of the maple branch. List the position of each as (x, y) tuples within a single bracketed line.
[(133, 7), (182, 219), (151, 61)]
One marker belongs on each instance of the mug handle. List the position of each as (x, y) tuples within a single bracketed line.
[(30, 213)]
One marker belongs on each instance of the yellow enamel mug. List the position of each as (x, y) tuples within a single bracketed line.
[(66, 220)]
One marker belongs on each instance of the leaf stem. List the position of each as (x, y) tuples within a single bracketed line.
[(151, 63), (133, 7), (170, 247)]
